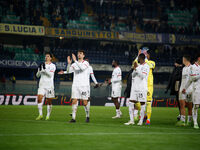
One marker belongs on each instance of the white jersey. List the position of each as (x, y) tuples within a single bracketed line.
[(185, 78), (47, 76), (80, 70), (91, 73), (194, 78), (140, 77), (116, 77)]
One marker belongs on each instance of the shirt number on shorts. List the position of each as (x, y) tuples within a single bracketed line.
[(49, 92), (84, 93)]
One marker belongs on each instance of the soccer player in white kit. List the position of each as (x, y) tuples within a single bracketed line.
[(185, 97), (80, 85), (116, 87), (90, 74), (195, 80), (46, 85), (139, 89)]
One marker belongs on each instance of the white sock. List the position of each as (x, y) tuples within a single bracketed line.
[(189, 118), (49, 108), (183, 118), (194, 114), (131, 109), (87, 109), (74, 109), (40, 108), (135, 112), (142, 112), (117, 112)]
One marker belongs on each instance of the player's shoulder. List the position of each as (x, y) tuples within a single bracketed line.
[(152, 62), (53, 65), (118, 68), (85, 62), (145, 65)]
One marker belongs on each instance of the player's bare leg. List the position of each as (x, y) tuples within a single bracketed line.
[(131, 113), (49, 108), (182, 111), (40, 105), (194, 115), (189, 120), (86, 104), (142, 113), (117, 106), (74, 110)]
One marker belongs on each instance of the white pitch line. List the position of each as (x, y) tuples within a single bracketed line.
[(96, 124), (99, 134)]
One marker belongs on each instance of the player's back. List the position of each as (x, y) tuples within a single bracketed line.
[(47, 81)]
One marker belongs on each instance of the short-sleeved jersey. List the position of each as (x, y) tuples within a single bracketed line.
[(140, 77), (47, 76), (116, 77), (152, 66)]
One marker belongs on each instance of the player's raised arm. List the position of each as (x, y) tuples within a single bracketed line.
[(38, 74), (70, 68)]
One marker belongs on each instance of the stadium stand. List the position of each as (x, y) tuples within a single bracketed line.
[(160, 16)]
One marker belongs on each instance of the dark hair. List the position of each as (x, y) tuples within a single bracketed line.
[(142, 56), (116, 61), (49, 53), (82, 51), (178, 61), (187, 57)]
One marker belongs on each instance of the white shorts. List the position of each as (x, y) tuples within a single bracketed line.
[(187, 96), (138, 96), (116, 92), (80, 92), (196, 97), (47, 92)]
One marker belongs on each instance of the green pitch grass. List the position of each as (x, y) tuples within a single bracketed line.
[(19, 130)]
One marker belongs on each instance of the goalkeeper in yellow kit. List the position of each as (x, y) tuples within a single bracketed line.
[(150, 86)]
